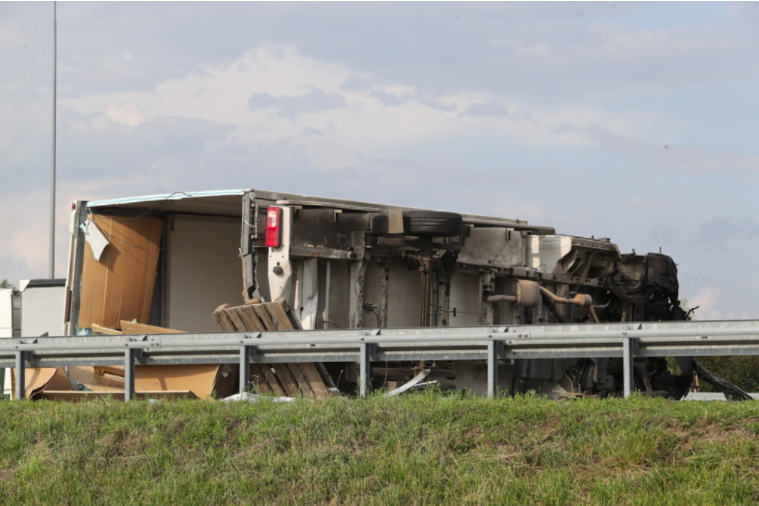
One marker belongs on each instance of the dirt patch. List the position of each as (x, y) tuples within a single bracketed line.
[(712, 433), (549, 427)]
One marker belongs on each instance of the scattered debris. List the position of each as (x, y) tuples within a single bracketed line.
[(411, 384), (731, 391), (253, 398)]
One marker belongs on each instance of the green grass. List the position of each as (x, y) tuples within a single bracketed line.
[(414, 449)]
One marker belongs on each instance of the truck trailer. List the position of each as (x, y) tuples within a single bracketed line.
[(171, 260)]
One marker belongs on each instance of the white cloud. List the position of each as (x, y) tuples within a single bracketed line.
[(129, 114), (273, 94), (666, 157), (707, 301)]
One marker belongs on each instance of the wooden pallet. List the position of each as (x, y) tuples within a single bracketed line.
[(293, 380)]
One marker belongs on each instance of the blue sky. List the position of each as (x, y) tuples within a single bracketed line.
[(635, 121)]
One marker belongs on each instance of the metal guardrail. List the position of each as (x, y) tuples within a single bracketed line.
[(492, 343), (710, 396)]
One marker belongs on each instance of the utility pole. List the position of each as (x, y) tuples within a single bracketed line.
[(51, 268)]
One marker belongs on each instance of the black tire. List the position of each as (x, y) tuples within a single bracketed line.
[(432, 223)]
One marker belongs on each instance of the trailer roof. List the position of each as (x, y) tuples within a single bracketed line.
[(223, 202), (229, 203)]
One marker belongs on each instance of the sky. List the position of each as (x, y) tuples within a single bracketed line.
[(634, 121)]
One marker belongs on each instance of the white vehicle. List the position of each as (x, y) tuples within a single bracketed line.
[(170, 260), (42, 301)]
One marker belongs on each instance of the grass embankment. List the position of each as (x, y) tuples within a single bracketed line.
[(415, 449)]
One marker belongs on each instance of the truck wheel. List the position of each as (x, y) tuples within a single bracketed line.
[(432, 223)]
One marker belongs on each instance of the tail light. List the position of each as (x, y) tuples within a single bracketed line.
[(273, 232)]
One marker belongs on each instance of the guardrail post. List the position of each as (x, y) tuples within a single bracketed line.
[(493, 368), (246, 352), (20, 375), (129, 356), (628, 365), (365, 350)]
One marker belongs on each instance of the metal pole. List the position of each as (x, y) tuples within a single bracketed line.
[(51, 267), (365, 369), (244, 368), (492, 368), (627, 366), (20, 375), (128, 374)]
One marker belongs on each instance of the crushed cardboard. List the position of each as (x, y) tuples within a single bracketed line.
[(193, 380)]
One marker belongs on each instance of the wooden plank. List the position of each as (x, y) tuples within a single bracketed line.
[(234, 318), (324, 375), (318, 378), (286, 379), (264, 316), (289, 311), (101, 370), (141, 328), (277, 311), (315, 381), (251, 310), (105, 330), (224, 322), (258, 378), (294, 321), (253, 301), (249, 318), (272, 381), (300, 377), (109, 376), (222, 319)]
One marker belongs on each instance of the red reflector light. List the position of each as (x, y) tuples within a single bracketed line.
[(273, 221)]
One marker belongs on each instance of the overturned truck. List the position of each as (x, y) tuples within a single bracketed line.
[(171, 260)]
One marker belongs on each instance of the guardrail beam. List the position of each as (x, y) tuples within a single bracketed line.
[(626, 340)]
